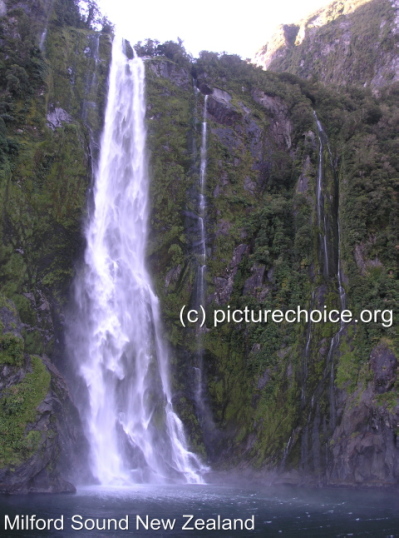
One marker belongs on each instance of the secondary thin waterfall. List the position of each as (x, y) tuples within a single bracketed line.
[(335, 341), (322, 226), (202, 209), (323, 250), (203, 410), (133, 431), (200, 299), (321, 215), (330, 269)]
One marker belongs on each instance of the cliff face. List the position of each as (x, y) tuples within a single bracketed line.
[(315, 402), (52, 92), (302, 209), (348, 42)]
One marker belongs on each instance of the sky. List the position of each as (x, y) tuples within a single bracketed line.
[(236, 27)]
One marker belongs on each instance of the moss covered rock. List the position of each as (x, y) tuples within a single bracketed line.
[(11, 341), (52, 91), (39, 426), (278, 392)]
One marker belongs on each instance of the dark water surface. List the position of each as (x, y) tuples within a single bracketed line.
[(277, 511)]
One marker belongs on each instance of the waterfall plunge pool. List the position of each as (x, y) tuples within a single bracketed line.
[(276, 511)]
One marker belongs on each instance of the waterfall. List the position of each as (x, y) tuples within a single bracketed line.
[(327, 259), (42, 41), (116, 337), (306, 355), (321, 214), (202, 209), (335, 340), (43, 35), (203, 411)]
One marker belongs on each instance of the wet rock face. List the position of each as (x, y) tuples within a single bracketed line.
[(361, 258), (364, 448), (59, 444), (384, 364), (173, 276), (254, 283), (41, 434), (364, 445), (204, 88), (70, 448)]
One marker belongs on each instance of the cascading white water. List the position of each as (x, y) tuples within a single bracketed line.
[(201, 271), (306, 354), (133, 431), (202, 208), (321, 215), (43, 39)]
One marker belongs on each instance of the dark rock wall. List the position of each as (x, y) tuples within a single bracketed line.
[(296, 397), (52, 96)]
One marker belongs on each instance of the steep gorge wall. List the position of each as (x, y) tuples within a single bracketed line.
[(280, 399), (52, 93), (347, 42)]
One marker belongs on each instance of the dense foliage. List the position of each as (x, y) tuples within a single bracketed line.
[(278, 392), (263, 379), (53, 70)]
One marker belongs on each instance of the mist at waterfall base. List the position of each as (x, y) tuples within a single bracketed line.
[(280, 511)]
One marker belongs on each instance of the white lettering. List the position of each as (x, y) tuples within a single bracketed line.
[(277, 316), (154, 524), (216, 319), (185, 528), (189, 317), (387, 322), (9, 525), (78, 520)]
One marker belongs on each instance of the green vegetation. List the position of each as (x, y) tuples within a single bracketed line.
[(355, 47), (268, 383), (260, 378), (11, 342), (11, 349), (51, 105), (45, 165), (18, 412)]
